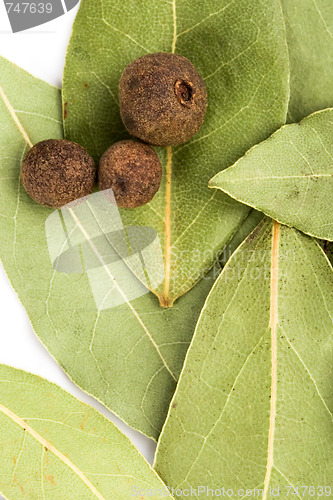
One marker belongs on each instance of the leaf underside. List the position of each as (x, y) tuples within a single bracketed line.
[(240, 50), (248, 103), (289, 176), (253, 407), (53, 446)]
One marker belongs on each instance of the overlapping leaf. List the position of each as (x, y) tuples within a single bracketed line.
[(240, 50), (128, 357), (253, 407), (310, 46), (289, 176), (309, 27), (52, 446)]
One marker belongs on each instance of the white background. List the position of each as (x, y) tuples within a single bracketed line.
[(41, 51)]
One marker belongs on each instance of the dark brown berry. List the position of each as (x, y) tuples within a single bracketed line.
[(56, 172), (133, 171), (163, 99)]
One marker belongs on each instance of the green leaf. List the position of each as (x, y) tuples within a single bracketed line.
[(128, 357), (309, 27), (289, 176), (253, 407), (240, 50), (53, 446)]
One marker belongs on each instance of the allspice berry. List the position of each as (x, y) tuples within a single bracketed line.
[(56, 172), (132, 170), (163, 99)]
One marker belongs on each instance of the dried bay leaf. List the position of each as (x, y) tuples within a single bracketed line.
[(289, 176), (53, 446), (309, 29), (310, 46), (253, 406), (240, 50), (117, 356)]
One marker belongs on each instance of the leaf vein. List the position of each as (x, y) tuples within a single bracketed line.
[(308, 372), (14, 117), (21, 423)]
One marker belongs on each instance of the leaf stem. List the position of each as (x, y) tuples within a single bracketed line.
[(273, 326), (174, 13), (164, 300)]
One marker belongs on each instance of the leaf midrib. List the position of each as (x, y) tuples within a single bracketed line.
[(46, 444), (273, 326), (14, 117), (275, 177), (165, 298), (128, 303)]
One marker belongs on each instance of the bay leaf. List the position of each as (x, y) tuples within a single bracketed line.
[(240, 50), (253, 406), (289, 176), (310, 45), (309, 28), (53, 446), (128, 357)]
